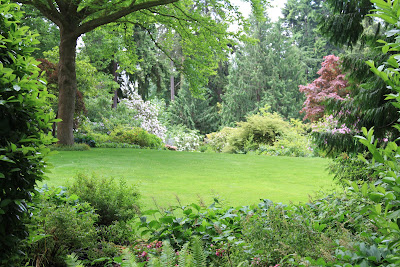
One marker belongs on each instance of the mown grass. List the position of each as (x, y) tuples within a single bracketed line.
[(193, 177)]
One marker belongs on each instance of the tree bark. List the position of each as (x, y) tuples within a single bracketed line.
[(115, 97), (172, 82), (67, 87)]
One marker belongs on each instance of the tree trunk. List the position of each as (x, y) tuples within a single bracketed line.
[(67, 86), (172, 82), (115, 97)]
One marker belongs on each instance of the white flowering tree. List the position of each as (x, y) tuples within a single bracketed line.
[(147, 112)]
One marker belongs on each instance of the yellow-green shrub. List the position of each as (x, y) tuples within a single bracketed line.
[(135, 136), (218, 140)]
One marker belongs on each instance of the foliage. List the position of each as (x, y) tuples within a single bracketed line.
[(347, 24), (183, 138), (113, 201), (73, 261), (300, 20), (84, 139), (331, 85), (332, 137), (257, 129), (119, 232), (348, 168), (116, 145), (213, 225), (47, 32), (344, 24), (74, 147), (265, 72), (384, 209), (60, 225), (176, 17), (25, 121), (102, 119), (218, 140), (135, 136), (194, 113)]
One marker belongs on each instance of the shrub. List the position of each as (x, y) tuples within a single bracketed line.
[(60, 225), (85, 139), (348, 168), (119, 232), (135, 136), (258, 129), (183, 138), (101, 118), (116, 145), (25, 120), (218, 140), (74, 147), (113, 201)]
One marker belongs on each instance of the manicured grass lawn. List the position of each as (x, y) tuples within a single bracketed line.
[(236, 179)]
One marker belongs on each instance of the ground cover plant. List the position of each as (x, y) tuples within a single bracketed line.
[(238, 179)]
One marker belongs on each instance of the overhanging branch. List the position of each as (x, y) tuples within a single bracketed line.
[(92, 24)]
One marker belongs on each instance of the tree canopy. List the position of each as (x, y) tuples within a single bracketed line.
[(201, 26)]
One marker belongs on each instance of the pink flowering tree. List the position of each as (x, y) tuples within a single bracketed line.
[(330, 85)]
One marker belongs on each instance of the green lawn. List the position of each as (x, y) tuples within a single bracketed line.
[(237, 179)]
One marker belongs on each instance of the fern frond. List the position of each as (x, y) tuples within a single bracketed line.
[(154, 261), (73, 261), (183, 256), (128, 260), (167, 256), (199, 256)]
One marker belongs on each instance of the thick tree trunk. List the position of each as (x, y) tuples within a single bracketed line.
[(67, 87)]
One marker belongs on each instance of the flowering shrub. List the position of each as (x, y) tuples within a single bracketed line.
[(334, 138), (329, 124), (147, 113), (183, 138)]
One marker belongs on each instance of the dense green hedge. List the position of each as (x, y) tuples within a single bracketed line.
[(25, 121)]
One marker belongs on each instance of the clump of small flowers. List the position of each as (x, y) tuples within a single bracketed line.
[(331, 125), (219, 252), (142, 250)]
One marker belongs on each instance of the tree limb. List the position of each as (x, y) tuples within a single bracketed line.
[(49, 11), (92, 24)]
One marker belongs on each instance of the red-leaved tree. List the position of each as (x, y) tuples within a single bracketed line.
[(330, 85)]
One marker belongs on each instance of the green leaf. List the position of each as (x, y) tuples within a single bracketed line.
[(364, 189), (197, 207), (187, 211), (394, 215), (154, 224), (150, 212), (6, 159), (375, 196), (354, 185), (5, 202), (378, 208)]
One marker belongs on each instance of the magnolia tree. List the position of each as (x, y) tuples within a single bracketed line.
[(330, 85), (147, 112)]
